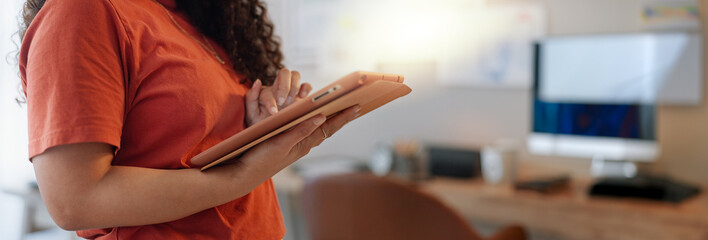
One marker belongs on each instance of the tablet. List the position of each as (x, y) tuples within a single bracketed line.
[(370, 90)]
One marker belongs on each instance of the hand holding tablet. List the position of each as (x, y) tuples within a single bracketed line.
[(367, 89)]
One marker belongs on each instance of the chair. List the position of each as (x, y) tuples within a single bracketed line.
[(363, 206)]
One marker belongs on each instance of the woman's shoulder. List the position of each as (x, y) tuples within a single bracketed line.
[(122, 22), (74, 17), (80, 13), (70, 10)]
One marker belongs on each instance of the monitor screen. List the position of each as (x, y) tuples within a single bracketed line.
[(595, 120), (595, 115)]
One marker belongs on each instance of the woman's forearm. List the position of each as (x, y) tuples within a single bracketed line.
[(128, 196), (83, 191)]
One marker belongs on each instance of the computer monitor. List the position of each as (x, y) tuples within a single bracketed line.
[(591, 99)]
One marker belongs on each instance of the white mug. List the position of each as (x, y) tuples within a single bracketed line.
[(498, 165)]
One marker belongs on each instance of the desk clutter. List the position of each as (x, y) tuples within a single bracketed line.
[(415, 161), (547, 185)]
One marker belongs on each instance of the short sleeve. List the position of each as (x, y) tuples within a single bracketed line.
[(72, 74)]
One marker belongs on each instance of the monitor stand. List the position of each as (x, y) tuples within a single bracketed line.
[(602, 167)]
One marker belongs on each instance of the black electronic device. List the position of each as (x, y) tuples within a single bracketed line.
[(545, 185), (453, 162), (410, 159), (644, 186)]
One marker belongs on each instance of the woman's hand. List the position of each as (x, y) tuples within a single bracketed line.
[(262, 102), (271, 156)]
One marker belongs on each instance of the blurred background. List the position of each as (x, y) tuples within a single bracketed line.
[(573, 119)]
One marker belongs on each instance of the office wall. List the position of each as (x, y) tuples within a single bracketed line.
[(684, 130), (478, 116), (15, 170)]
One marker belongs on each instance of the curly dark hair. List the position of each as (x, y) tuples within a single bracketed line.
[(29, 11), (241, 27)]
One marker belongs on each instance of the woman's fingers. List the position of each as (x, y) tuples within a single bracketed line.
[(291, 145), (281, 86), (264, 101), (338, 121), (327, 129), (295, 135), (294, 88), (252, 109), (267, 101), (305, 90), (278, 151)]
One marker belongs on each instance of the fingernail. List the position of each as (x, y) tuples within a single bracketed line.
[(290, 99), (273, 110), (281, 100), (320, 120), (303, 94)]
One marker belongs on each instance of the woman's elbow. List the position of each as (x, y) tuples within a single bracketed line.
[(67, 224), (67, 176), (70, 217)]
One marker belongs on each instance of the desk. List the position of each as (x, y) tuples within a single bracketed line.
[(569, 215), (574, 214)]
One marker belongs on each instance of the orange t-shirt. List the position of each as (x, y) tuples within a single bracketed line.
[(122, 73)]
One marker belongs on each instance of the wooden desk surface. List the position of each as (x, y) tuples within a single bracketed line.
[(574, 214)]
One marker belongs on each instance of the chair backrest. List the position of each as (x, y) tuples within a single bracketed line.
[(363, 206)]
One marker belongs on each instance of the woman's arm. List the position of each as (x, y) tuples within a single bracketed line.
[(83, 191)]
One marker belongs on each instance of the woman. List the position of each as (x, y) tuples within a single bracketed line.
[(122, 93)]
